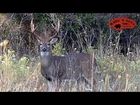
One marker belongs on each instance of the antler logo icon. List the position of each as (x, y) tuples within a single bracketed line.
[(122, 23)]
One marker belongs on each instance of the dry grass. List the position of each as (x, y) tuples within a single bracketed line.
[(117, 74)]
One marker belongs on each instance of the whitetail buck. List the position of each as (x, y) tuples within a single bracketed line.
[(68, 67)]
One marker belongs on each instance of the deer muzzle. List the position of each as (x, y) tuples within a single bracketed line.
[(44, 49)]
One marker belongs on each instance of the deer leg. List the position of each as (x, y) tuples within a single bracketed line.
[(49, 85), (87, 88), (96, 70), (88, 84)]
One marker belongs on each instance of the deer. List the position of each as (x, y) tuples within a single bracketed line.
[(60, 68)]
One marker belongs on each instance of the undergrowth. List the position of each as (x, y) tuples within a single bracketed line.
[(117, 73)]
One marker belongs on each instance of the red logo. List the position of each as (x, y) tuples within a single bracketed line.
[(122, 23)]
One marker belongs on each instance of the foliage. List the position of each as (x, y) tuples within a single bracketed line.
[(41, 18), (57, 50)]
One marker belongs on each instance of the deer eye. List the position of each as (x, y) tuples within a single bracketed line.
[(40, 45)]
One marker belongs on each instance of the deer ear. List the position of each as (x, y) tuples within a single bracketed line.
[(54, 40)]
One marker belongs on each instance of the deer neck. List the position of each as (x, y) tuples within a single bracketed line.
[(46, 59)]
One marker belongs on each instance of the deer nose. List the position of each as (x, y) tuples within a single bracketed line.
[(44, 49)]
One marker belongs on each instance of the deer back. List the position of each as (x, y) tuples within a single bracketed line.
[(72, 66)]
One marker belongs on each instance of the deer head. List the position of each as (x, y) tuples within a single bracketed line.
[(46, 42)]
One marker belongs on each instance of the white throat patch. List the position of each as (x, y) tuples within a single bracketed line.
[(44, 53)]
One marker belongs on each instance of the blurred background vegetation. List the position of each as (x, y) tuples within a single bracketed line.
[(78, 32)]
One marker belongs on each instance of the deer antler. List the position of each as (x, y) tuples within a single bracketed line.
[(56, 29), (33, 29)]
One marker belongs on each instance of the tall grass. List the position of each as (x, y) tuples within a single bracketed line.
[(22, 75), (118, 73)]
